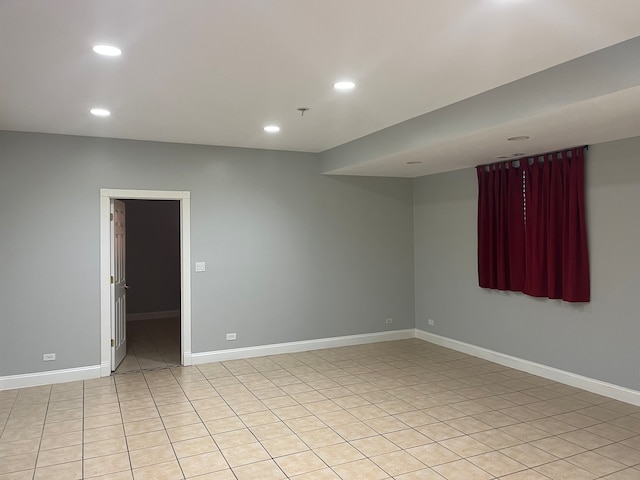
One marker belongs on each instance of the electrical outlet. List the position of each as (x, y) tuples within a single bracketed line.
[(431, 322), (389, 320), (48, 357), (231, 336)]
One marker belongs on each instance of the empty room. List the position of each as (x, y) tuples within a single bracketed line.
[(358, 239)]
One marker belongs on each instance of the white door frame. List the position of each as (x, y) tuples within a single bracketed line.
[(106, 194)]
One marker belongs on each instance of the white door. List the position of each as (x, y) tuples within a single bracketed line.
[(119, 286)]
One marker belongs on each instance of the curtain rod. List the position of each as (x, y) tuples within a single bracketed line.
[(586, 147)]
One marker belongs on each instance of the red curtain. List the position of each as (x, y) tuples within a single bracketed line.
[(531, 227)]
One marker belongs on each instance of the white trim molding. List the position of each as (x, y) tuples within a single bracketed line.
[(579, 381), (50, 377), (106, 195), (301, 346), (134, 317)]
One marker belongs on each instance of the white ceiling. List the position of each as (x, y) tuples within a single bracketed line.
[(215, 72)]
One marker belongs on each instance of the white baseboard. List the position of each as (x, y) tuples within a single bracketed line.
[(105, 369), (586, 383), (47, 378), (132, 317), (187, 359), (301, 346)]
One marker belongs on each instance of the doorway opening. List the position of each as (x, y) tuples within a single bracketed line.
[(152, 300), (172, 319)]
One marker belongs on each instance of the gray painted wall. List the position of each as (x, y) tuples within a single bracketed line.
[(153, 255), (599, 339), (291, 254)]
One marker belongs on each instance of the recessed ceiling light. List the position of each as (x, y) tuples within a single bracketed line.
[(100, 112), (414, 162), (344, 86), (107, 50), (519, 138), (272, 129)]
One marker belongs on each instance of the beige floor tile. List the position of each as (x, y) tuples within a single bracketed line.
[(627, 474), (105, 447), (620, 453), (386, 424), (586, 440), (373, 446), (611, 432), (338, 417), (160, 471), (215, 413), (226, 424), (264, 470), (194, 446), (525, 475), (528, 455), (146, 413), (180, 420), (124, 475), (465, 446), (391, 402), (103, 433), (439, 431), (323, 406), (219, 475), (562, 470), (105, 465), (360, 470), (10, 435), (59, 455), (244, 454), (496, 439), (64, 440), (63, 415), (175, 408), (323, 474), (23, 475), (68, 471), (15, 463), (321, 437), (595, 463), (398, 463), (558, 447), (271, 430), (19, 447), (497, 464), (299, 463), (408, 438), (234, 439), (105, 409), (187, 432), (281, 446), (462, 469), (304, 424), (152, 455), (146, 440), (338, 454), (143, 426), (355, 431), (203, 463), (423, 474), (433, 454), (524, 432)]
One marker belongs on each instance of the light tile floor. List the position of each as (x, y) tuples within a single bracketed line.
[(151, 344), (405, 410)]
